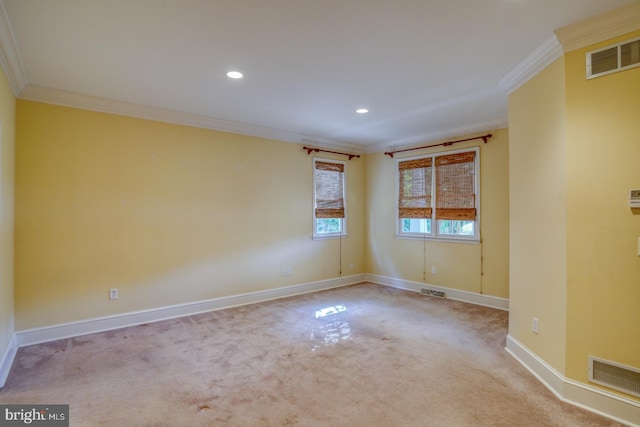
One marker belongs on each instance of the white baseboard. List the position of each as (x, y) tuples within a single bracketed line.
[(101, 324), (454, 294), (608, 404), (7, 360)]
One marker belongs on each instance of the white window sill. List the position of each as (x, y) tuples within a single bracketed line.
[(458, 239), (328, 236)]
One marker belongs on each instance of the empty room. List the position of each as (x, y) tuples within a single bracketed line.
[(250, 213)]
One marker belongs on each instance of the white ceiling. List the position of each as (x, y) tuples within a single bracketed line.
[(425, 69)]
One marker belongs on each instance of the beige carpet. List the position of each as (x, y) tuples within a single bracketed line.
[(363, 355)]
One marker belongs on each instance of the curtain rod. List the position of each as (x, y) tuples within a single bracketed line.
[(316, 150), (444, 144)]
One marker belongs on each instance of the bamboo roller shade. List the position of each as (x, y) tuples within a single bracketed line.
[(329, 183), (455, 187)]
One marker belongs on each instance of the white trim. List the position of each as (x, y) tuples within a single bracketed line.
[(602, 27), (112, 106), (602, 402), (410, 142), (329, 236), (599, 401), (535, 62), (10, 59), (454, 294), (7, 359), (101, 324), (63, 98), (423, 236), (544, 372)]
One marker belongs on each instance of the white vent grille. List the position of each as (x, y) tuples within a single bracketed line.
[(433, 293), (614, 375), (612, 59)]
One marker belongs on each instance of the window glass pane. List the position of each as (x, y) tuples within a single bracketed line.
[(328, 225), (456, 228), (416, 225)]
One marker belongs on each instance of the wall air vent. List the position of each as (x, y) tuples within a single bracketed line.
[(612, 59), (433, 293), (614, 375)]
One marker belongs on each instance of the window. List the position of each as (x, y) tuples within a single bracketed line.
[(437, 196), (328, 194)]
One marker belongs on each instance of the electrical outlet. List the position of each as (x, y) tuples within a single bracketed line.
[(113, 293), (434, 270), (534, 325), (286, 271)]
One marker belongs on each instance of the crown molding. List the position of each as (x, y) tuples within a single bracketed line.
[(535, 62), (599, 28), (605, 26), (111, 106), (436, 136), (9, 55)]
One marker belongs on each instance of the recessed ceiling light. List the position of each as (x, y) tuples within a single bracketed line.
[(362, 111), (234, 74)]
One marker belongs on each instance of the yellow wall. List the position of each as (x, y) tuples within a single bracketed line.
[(458, 264), (538, 191), (7, 127), (603, 128), (167, 214), (574, 240)]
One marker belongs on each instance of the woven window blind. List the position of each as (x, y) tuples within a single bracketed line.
[(415, 188), (329, 182), (455, 187)]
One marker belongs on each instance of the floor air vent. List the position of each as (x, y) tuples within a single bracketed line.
[(614, 375), (432, 293), (612, 59)]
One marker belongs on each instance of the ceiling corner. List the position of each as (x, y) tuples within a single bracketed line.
[(602, 27), (535, 62)]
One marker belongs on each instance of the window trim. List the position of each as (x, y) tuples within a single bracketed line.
[(343, 232), (434, 236)]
